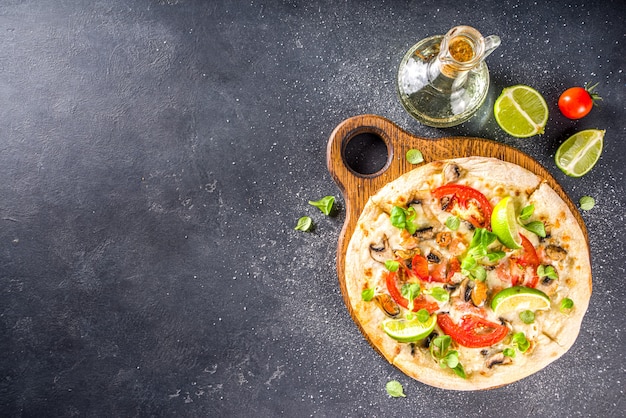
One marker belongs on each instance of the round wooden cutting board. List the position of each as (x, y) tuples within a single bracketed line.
[(357, 187)]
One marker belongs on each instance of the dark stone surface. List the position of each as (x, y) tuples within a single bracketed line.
[(155, 156)]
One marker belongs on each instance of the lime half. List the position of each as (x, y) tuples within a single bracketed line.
[(504, 223), (409, 330), (521, 111), (580, 152), (519, 298)]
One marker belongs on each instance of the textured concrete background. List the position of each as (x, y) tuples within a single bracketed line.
[(154, 159)]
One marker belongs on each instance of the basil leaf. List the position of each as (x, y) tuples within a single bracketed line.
[(414, 156), (392, 265), (453, 222), (509, 352), (410, 291), (479, 273), (452, 359), (304, 224), (547, 271), (537, 228), (422, 315), (403, 218), (398, 217), (520, 341), (495, 256), (587, 202), (325, 204), (439, 293), (527, 316), (367, 295), (395, 389), (527, 212), (460, 371), (566, 304)]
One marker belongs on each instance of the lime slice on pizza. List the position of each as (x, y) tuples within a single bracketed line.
[(521, 111), (409, 330), (519, 298), (580, 152), (504, 223)]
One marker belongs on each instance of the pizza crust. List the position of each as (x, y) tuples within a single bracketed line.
[(556, 332)]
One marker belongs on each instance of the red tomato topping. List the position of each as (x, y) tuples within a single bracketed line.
[(419, 302), (462, 195), (419, 264), (473, 331), (529, 259)]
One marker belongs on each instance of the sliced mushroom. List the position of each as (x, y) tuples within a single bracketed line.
[(497, 359), (387, 305), (452, 172), (425, 233), (556, 253), (381, 251)]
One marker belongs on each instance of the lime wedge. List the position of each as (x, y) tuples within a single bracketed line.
[(580, 152), (521, 111), (519, 298), (504, 223), (409, 330)]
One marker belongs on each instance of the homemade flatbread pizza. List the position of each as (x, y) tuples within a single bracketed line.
[(468, 273)]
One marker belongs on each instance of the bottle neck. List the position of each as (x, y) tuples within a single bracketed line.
[(446, 77)]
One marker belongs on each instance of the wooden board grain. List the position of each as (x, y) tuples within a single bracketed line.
[(357, 188)]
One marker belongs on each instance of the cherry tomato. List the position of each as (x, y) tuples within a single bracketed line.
[(576, 102)]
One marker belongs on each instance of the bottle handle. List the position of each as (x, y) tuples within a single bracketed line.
[(491, 43)]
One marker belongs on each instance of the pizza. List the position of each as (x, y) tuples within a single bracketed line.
[(468, 273)]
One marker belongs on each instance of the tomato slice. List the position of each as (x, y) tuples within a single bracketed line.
[(530, 259), (473, 331), (419, 265), (461, 195), (419, 302)]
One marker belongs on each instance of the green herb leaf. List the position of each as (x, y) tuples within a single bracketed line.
[(422, 315), (495, 256), (527, 212), (404, 218), (520, 341), (537, 228), (566, 304), (439, 293), (414, 156), (439, 346), (452, 359), (477, 252), (325, 204), (527, 316), (587, 202), (547, 271), (460, 371), (395, 389), (453, 222), (479, 273), (439, 351), (410, 291), (367, 294), (392, 265), (304, 224), (509, 352)]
